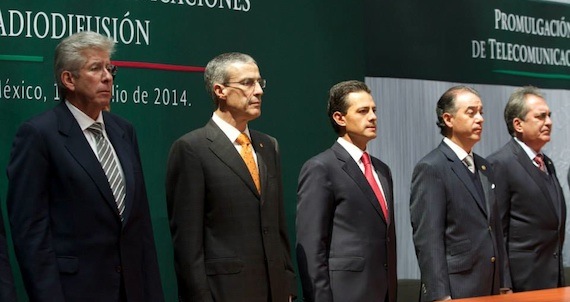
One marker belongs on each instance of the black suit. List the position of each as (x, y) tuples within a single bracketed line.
[(67, 233), (230, 242), (7, 290), (456, 228), (345, 249), (533, 213)]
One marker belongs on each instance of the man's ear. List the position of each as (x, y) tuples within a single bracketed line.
[(68, 80), (448, 119), (339, 119), (220, 91), (517, 125)]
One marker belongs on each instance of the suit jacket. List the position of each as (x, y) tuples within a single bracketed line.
[(456, 232), (230, 242), (7, 290), (345, 249), (67, 233), (533, 217)]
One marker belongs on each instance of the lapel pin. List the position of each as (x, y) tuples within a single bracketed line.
[(484, 168), (492, 186), (261, 145)]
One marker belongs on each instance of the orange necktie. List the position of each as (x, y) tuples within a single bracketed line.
[(247, 155)]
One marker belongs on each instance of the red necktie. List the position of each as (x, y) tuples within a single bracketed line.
[(540, 161), (370, 178)]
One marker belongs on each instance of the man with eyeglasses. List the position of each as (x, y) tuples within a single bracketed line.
[(77, 201), (224, 197)]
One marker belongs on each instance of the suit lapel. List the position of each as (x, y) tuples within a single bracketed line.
[(351, 168), (461, 172), (79, 148), (487, 185), (227, 153), (123, 149), (261, 153), (534, 173)]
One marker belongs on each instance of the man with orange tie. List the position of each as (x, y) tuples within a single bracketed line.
[(530, 198), (225, 197), (346, 241)]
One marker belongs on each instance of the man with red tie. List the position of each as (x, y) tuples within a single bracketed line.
[(346, 241)]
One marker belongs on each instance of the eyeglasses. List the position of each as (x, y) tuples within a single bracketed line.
[(249, 82), (98, 68)]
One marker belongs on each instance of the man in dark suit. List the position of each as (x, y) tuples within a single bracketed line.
[(346, 240), (225, 200), (7, 290), (80, 218), (456, 226), (531, 202)]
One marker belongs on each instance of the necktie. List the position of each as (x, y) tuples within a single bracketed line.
[(247, 155), (468, 160), (110, 166), (372, 181), (539, 160)]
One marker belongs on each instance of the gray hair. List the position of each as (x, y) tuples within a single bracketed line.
[(69, 56), (516, 106), (217, 70)]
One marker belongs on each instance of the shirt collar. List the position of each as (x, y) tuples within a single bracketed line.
[(462, 154), (83, 119), (528, 150), (230, 131), (353, 150)]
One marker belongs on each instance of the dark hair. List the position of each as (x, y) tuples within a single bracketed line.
[(217, 70), (516, 106), (337, 99), (446, 104)]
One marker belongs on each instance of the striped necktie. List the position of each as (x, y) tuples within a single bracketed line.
[(110, 166)]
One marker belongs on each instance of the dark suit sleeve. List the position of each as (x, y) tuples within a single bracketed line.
[(185, 195), (428, 217), (28, 210), (315, 211), (283, 231), (7, 290)]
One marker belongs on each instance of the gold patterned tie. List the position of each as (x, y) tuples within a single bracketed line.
[(247, 155)]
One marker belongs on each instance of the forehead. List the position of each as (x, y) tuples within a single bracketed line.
[(359, 99), (242, 70), (465, 99), (94, 54), (534, 102)]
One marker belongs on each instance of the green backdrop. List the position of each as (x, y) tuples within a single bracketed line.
[(302, 48)]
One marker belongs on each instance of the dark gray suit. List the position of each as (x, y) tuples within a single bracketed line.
[(456, 231), (230, 242), (345, 249), (533, 214)]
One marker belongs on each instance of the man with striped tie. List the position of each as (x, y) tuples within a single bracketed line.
[(76, 195)]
